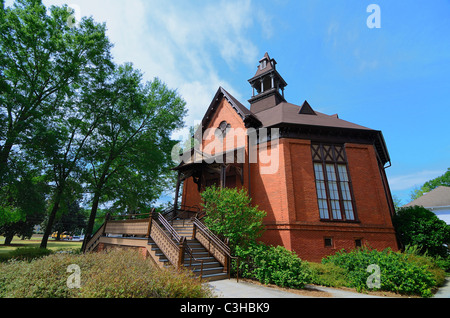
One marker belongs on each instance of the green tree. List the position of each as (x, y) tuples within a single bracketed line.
[(46, 65), (41, 58), (72, 219), (443, 180), (130, 155), (419, 226), (229, 213), (397, 202), (63, 145), (26, 197)]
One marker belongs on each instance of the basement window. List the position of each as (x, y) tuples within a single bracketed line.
[(328, 242)]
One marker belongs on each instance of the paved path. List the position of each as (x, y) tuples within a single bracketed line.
[(232, 289), (444, 292)]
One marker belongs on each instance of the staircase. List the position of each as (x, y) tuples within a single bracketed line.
[(210, 270), (180, 243)]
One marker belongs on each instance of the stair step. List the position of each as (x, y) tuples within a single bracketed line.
[(212, 269), (213, 277), (209, 271), (198, 259), (206, 265)]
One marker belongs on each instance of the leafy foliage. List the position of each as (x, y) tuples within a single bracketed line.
[(117, 274), (419, 226), (25, 254), (229, 214), (273, 265), (443, 180), (85, 126), (398, 272)]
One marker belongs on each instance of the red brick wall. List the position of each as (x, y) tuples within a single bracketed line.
[(302, 230), (289, 197), (371, 203)]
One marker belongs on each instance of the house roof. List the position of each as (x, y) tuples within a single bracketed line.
[(287, 113), (246, 115), (291, 115), (438, 197)]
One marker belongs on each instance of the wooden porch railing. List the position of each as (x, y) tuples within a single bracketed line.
[(136, 227), (174, 246), (95, 239), (172, 250)]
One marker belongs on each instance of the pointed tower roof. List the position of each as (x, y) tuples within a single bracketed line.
[(267, 84), (265, 67)]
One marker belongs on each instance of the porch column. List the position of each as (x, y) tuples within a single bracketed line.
[(223, 176), (177, 190)]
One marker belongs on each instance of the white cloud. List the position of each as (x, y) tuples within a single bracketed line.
[(409, 181), (181, 42)]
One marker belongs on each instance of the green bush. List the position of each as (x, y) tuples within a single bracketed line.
[(435, 265), (117, 274), (399, 272), (273, 265), (417, 226), (328, 275), (229, 214), (25, 254)]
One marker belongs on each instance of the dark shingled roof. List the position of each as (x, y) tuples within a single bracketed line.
[(287, 113), (247, 116)]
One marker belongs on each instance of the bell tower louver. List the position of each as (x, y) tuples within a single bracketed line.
[(267, 86)]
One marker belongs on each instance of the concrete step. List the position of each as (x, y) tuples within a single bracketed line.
[(214, 277), (206, 265)]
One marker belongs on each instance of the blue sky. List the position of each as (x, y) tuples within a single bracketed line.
[(395, 79)]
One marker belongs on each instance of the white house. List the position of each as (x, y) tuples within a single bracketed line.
[(437, 201)]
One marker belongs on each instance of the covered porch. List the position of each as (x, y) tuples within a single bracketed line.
[(222, 170)]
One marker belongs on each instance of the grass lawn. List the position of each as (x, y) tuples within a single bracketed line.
[(35, 241)]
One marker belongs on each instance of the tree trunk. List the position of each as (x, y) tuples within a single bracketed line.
[(8, 239), (96, 200), (51, 218), (91, 222)]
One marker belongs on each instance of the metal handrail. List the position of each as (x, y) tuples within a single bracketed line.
[(211, 235), (189, 250), (169, 228), (168, 239), (218, 244)]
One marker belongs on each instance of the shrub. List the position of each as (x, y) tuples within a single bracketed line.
[(25, 254), (117, 274), (399, 272), (417, 226), (273, 265), (433, 264), (229, 214), (328, 275)]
